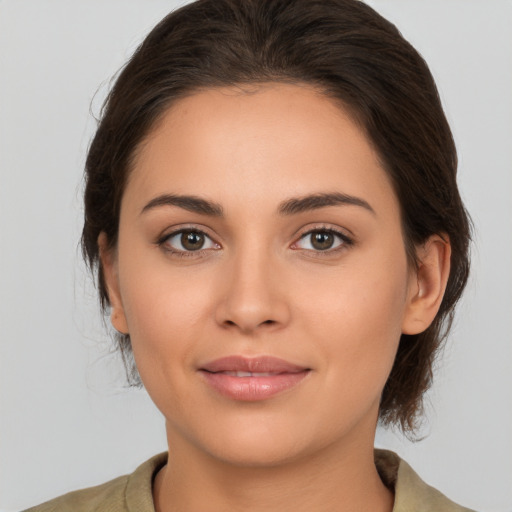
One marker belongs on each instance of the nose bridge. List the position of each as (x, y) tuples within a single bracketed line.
[(253, 296)]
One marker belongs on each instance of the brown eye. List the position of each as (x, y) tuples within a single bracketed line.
[(192, 240), (322, 240), (187, 241)]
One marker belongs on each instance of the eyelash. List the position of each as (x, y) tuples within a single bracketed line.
[(162, 241), (345, 242)]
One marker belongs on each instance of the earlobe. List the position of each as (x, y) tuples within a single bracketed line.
[(108, 264), (428, 284)]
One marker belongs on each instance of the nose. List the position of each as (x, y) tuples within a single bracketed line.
[(253, 296)]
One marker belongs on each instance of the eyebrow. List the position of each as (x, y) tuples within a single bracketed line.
[(315, 201), (190, 203), (291, 206)]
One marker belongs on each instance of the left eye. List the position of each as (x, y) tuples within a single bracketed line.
[(320, 240), (190, 240)]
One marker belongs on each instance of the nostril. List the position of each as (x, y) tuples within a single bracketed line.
[(232, 323)]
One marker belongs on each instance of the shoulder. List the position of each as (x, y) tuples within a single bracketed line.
[(123, 494), (411, 492), (110, 493)]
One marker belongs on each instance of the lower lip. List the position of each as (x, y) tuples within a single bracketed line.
[(252, 389)]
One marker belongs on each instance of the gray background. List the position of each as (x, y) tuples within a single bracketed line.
[(66, 419)]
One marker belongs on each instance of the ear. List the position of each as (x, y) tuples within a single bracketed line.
[(108, 262), (427, 284)]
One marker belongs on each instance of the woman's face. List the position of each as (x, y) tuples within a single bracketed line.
[(261, 274)]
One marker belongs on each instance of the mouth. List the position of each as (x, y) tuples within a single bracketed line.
[(252, 379), (248, 374)]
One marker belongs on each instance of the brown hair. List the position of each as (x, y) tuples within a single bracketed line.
[(352, 54)]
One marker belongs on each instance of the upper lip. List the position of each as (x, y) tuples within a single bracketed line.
[(261, 364)]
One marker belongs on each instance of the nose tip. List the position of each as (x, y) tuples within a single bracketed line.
[(237, 313), (252, 300)]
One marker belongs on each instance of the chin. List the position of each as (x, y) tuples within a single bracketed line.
[(263, 441), (258, 453)]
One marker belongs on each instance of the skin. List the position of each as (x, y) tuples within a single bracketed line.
[(259, 287)]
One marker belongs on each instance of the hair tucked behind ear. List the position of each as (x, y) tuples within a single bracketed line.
[(352, 54)]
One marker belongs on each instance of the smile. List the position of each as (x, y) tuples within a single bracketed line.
[(250, 374), (252, 379)]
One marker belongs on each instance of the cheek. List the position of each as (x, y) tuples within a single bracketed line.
[(166, 318), (356, 319), (166, 313)]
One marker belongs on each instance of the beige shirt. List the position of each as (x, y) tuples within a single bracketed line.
[(133, 493)]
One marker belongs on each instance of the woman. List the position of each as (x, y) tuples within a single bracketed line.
[(272, 210)]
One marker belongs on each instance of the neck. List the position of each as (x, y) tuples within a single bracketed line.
[(338, 478)]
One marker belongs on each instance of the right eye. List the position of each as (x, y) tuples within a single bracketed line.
[(188, 240)]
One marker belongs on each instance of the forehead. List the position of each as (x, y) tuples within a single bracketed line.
[(265, 141)]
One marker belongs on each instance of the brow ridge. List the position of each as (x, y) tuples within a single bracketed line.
[(297, 205), (187, 202), (291, 206)]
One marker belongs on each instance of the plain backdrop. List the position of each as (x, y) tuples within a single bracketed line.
[(67, 419)]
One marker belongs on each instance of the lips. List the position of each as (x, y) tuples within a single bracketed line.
[(252, 379)]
